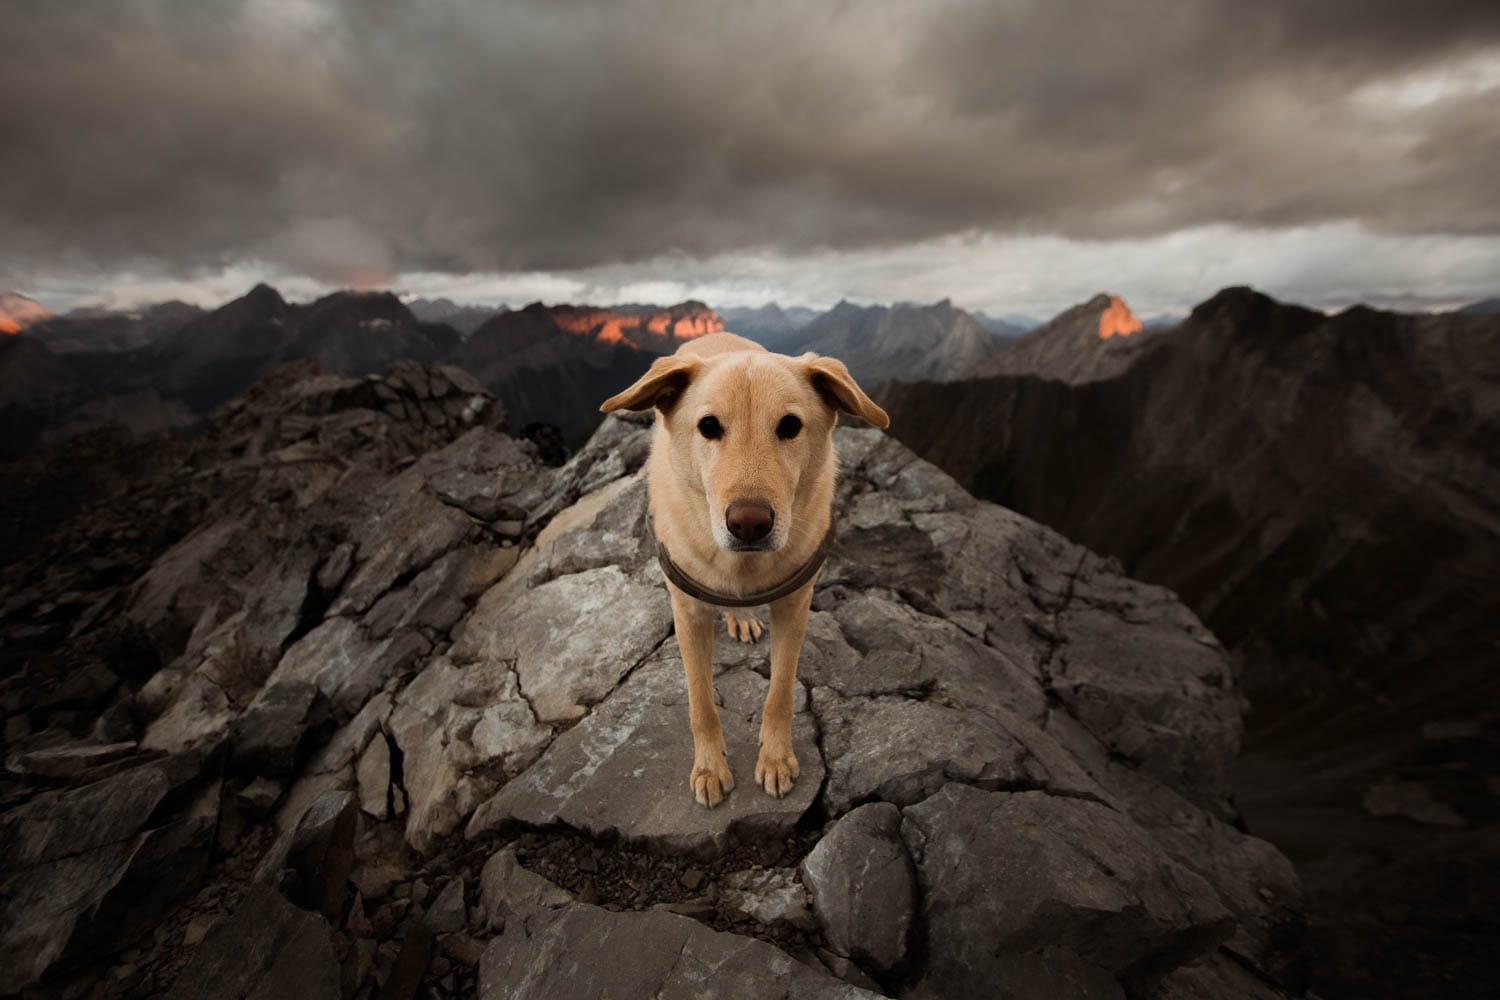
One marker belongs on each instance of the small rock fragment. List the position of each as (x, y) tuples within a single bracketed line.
[(411, 964), (198, 927), (771, 896), (260, 796), (373, 776), (448, 913)]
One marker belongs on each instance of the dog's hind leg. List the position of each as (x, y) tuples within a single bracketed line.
[(776, 768), (745, 628), (711, 778)]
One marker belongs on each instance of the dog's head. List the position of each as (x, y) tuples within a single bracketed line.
[(747, 431)]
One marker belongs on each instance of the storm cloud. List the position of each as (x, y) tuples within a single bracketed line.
[(352, 142)]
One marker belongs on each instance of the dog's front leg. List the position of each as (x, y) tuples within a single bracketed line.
[(711, 779), (776, 768)]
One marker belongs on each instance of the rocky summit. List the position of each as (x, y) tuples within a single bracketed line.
[(353, 696)]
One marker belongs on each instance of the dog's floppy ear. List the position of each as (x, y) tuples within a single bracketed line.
[(660, 387), (837, 386)]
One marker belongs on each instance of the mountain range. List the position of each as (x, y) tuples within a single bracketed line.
[(936, 341), (769, 325), (464, 318), (549, 364), (1009, 325)]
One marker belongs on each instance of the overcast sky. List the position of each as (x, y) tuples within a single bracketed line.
[(1012, 156)]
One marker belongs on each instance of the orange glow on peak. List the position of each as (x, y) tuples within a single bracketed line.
[(608, 326), (8, 325), (1117, 320)]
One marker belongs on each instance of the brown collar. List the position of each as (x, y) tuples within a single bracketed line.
[(795, 582)]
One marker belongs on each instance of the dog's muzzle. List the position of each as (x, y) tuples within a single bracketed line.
[(750, 523)]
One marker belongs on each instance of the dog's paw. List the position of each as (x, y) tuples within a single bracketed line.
[(776, 770), (711, 781), (745, 628)]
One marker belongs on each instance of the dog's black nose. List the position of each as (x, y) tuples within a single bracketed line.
[(749, 520)]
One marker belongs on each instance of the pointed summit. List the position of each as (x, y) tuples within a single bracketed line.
[(1117, 320), (1092, 340)]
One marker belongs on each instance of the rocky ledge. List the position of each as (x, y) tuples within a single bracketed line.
[(398, 711)]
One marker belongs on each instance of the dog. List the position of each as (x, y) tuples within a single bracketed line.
[(740, 483)]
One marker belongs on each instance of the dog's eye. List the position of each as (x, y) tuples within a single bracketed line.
[(710, 428), (789, 427)]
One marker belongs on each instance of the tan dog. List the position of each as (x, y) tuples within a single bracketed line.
[(741, 481)]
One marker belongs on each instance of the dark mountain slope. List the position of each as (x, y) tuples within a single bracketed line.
[(1325, 493), (556, 363), (217, 355), (105, 333), (1484, 307), (35, 387), (1322, 485)]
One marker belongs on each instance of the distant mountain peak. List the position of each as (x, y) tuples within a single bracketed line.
[(18, 311), (260, 299), (1117, 320)]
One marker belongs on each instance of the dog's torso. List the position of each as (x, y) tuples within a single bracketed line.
[(741, 483)]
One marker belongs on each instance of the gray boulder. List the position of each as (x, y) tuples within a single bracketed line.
[(1006, 876), (863, 886), (266, 736), (312, 862)]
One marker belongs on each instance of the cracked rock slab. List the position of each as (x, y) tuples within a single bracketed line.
[(903, 750), (571, 639), (623, 771), (460, 730), (581, 951), (406, 530), (1158, 696), (345, 664), (907, 652), (508, 891), (1006, 876)]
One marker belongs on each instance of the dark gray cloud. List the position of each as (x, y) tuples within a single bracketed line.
[(357, 140)]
